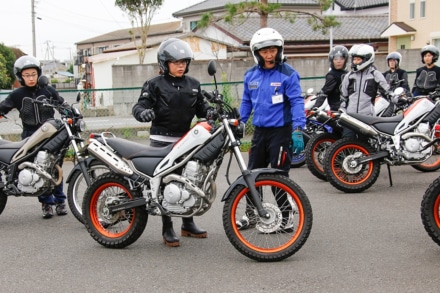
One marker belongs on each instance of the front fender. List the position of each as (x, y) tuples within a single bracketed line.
[(75, 168), (254, 174)]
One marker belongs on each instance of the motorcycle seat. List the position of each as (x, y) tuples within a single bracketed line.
[(383, 124), (130, 149)]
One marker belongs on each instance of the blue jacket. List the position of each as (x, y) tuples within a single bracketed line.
[(274, 95)]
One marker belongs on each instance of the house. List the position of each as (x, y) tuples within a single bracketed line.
[(413, 24)]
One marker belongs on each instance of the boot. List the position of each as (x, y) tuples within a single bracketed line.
[(189, 229), (169, 237)]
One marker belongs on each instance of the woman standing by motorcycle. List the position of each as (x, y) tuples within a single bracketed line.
[(396, 76), (170, 102), (427, 77), (27, 70)]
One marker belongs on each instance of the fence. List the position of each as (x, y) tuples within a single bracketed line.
[(110, 109)]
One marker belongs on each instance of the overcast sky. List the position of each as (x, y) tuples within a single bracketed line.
[(63, 23)]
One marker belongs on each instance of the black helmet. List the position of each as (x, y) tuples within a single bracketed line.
[(171, 50), (431, 49), (338, 51), (395, 56), (25, 62)]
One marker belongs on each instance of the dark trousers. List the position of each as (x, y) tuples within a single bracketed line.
[(271, 146)]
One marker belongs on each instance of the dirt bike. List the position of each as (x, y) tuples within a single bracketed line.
[(353, 165), (319, 143), (312, 126), (179, 181), (32, 167), (430, 210)]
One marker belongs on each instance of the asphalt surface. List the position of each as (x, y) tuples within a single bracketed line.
[(368, 242)]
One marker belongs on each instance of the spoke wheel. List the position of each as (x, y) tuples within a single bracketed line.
[(283, 233), (430, 210), (342, 170), (78, 185), (113, 230), (316, 151)]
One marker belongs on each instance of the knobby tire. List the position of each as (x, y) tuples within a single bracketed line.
[(430, 210)]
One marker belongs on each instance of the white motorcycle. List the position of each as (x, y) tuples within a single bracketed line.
[(353, 165), (179, 181)]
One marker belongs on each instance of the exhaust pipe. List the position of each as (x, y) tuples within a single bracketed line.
[(356, 125), (103, 153)]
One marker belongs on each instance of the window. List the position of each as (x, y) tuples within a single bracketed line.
[(422, 8), (192, 25), (412, 8)]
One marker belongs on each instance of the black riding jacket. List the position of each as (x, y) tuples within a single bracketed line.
[(330, 90), (32, 115), (175, 101)]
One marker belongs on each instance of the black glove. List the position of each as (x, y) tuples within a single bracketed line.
[(211, 114), (147, 115)]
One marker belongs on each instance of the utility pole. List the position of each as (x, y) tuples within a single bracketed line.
[(34, 42)]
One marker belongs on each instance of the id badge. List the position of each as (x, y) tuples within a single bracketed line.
[(276, 99)]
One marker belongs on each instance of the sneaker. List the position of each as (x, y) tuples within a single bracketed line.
[(47, 211), (61, 209)]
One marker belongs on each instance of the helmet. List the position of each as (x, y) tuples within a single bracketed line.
[(25, 62), (364, 51), (171, 50), (338, 51), (395, 56), (431, 49), (267, 37)]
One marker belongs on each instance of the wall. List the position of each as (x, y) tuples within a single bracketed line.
[(129, 76)]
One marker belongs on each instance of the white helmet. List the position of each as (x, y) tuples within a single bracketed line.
[(364, 51), (267, 37)]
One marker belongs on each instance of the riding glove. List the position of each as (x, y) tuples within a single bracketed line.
[(211, 114), (298, 142), (147, 115)]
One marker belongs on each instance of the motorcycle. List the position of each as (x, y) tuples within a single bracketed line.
[(430, 210), (312, 126), (318, 144), (353, 165), (179, 181), (32, 167)]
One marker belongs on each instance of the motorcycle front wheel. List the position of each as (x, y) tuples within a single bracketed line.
[(3, 201), (430, 210), (342, 170), (113, 230), (316, 150), (78, 185), (279, 236)]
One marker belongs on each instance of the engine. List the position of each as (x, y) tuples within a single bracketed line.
[(414, 142), (33, 176), (182, 193)]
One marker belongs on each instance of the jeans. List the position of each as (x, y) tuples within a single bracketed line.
[(56, 197)]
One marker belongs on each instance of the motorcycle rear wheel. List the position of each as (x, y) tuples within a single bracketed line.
[(119, 229), (341, 170), (278, 237), (3, 201), (430, 210), (316, 150), (78, 185)]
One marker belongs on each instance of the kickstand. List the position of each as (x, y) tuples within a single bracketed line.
[(389, 175)]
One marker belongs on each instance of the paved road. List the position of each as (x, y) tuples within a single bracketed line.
[(369, 242)]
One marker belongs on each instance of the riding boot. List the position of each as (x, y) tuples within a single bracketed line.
[(169, 237), (189, 229)]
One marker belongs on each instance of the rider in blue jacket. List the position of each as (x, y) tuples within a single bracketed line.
[(272, 91)]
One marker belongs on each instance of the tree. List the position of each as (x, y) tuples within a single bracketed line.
[(241, 11), (140, 13), (7, 59)]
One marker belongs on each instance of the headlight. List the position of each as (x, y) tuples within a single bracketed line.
[(80, 125)]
